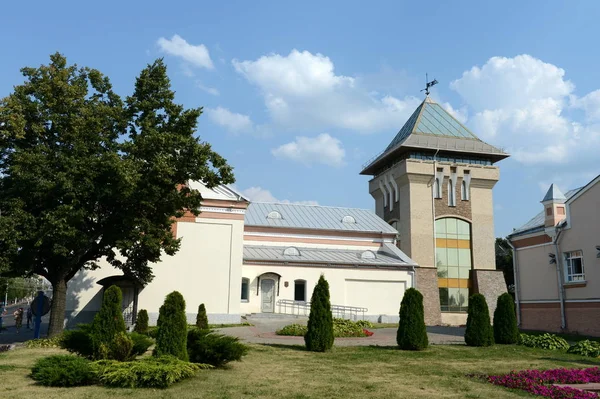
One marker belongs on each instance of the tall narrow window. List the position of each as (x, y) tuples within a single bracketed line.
[(574, 266), (245, 289), (300, 290), (451, 193), (464, 191), (437, 188)]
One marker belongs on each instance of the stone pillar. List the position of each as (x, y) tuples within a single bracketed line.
[(491, 284), (427, 284)]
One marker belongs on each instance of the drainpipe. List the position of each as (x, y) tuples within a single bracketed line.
[(561, 290), (515, 278)]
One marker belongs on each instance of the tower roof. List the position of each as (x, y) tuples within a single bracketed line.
[(554, 193), (432, 127)]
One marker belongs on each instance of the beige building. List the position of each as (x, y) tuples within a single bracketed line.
[(557, 265), (433, 183)]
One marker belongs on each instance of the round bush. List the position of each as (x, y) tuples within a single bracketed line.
[(205, 346), (172, 328), (201, 318), (79, 341), (479, 330), (319, 336), (141, 322), (505, 321), (412, 333), (63, 371), (544, 341), (108, 322)]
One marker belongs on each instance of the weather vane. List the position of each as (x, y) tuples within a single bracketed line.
[(428, 84)]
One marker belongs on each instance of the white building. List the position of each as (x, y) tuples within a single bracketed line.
[(239, 258)]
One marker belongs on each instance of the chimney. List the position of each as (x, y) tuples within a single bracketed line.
[(554, 206)]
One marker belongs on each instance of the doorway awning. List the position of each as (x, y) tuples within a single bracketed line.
[(121, 281)]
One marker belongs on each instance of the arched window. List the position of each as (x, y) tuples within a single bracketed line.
[(453, 262), (300, 290), (274, 215), (464, 191), (245, 289), (437, 188), (348, 219), (368, 255), (451, 193), (291, 251)]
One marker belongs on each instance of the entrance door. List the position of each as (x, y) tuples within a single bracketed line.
[(127, 305), (267, 288)]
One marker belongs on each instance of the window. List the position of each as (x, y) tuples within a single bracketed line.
[(560, 210), (574, 266), (437, 188), (368, 255), (464, 191), (245, 289), (451, 193), (274, 215), (348, 219), (291, 251), (300, 290), (549, 211)]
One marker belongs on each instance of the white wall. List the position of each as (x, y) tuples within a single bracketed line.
[(381, 291)]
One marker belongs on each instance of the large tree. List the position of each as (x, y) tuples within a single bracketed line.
[(85, 175), (504, 262)]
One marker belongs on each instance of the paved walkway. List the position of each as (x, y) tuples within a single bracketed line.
[(9, 334), (263, 332)]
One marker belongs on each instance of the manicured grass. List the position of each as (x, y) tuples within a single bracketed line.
[(345, 372), (385, 325), (228, 325)]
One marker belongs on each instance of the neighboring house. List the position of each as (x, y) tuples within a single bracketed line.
[(557, 263), (433, 229)]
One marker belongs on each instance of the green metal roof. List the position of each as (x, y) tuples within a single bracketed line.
[(431, 119)]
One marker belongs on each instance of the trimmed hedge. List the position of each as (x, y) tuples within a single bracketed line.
[(63, 371), (319, 336), (141, 322), (151, 372), (208, 347), (412, 333), (172, 328), (201, 318), (79, 341), (505, 321), (479, 330), (342, 328)]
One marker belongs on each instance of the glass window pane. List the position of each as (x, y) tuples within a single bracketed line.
[(452, 257), (442, 271), (444, 298), (440, 227), (453, 272), (441, 257), (464, 257), (453, 299), (451, 227), (245, 289), (299, 290), (463, 272), (463, 299)]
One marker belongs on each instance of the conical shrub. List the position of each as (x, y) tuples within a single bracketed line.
[(505, 321), (171, 337), (319, 337), (108, 322), (201, 318), (141, 322), (412, 334), (479, 330)]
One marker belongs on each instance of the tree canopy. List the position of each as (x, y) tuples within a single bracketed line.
[(85, 175), (504, 262)]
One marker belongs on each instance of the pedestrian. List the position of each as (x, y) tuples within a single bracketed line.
[(18, 318), (29, 317), (2, 313)]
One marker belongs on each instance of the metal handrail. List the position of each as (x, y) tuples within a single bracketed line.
[(299, 308)]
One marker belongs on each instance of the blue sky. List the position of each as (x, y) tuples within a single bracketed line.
[(297, 96)]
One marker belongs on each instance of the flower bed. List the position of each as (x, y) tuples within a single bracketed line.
[(540, 383)]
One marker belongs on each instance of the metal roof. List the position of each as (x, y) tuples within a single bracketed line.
[(432, 127), (538, 221), (553, 193), (315, 217), (321, 255)]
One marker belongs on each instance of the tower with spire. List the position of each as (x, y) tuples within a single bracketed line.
[(434, 183)]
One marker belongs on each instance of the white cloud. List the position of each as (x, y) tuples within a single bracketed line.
[(461, 114), (234, 122), (196, 55), (521, 104), (302, 90), (590, 103), (209, 90), (321, 149), (259, 194)]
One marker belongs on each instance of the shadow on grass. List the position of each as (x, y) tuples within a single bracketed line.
[(587, 362), (300, 348)]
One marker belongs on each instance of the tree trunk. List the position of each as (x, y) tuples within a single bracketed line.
[(57, 309)]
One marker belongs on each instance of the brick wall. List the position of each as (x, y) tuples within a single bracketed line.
[(462, 208), (489, 283), (581, 317), (427, 285)]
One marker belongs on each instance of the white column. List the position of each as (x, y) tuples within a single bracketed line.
[(385, 196), (391, 191)]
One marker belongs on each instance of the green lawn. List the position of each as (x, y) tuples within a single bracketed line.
[(291, 372)]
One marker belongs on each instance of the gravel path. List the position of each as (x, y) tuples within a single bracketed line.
[(263, 332)]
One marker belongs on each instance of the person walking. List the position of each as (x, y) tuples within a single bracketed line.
[(29, 317), (2, 313), (18, 318)]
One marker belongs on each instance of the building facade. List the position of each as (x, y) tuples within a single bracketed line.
[(557, 263), (434, 183)]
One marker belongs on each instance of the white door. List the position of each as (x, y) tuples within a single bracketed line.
[(267, 289)]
